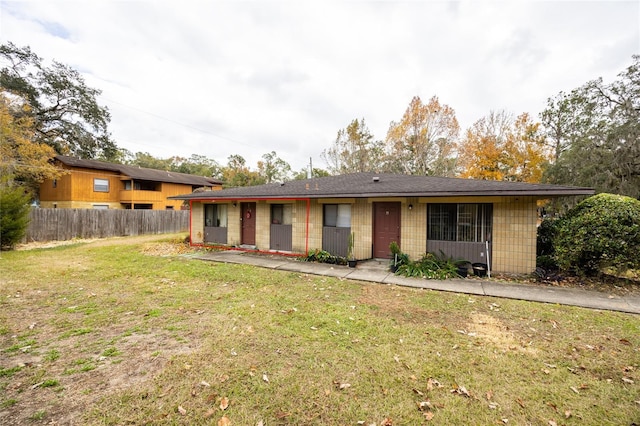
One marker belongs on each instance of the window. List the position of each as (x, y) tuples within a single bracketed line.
[(337, 215), (101, 207), (215, 215), (100, 185), (460, 222), (55, 183), (281, 214)]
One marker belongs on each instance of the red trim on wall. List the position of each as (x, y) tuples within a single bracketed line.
[(233, 200)]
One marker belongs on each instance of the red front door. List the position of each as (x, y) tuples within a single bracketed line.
[(248, 235), (386, 228)]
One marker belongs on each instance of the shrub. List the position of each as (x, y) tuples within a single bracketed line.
[(601, 231), (546, 233), (430, 266), (14, 215), (545, 249), (398, 258), (323, 256)]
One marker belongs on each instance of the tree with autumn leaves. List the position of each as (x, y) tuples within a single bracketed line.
[(424, 141), (501, 147)]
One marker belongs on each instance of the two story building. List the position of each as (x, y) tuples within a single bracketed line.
[(91, 184)]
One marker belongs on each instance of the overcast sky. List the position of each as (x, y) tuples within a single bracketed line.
[(218, 78)]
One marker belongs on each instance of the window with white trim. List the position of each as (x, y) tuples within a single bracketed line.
[(100, 185)]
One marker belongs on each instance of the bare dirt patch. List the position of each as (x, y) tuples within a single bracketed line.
[(491, 329)]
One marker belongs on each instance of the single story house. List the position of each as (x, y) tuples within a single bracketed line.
[(460, 217), (91, 184)]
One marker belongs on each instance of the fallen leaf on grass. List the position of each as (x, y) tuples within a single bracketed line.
[(431, 383), (181, 410), (520, 402), (210, 412), (428, 415), (265, 377), (552, 423), (627, 380), (461, 390), (387, 422), (205, 384), (567, 414), (224, 403), (417, 392), (573, 388), (424, 405), (224, 421)]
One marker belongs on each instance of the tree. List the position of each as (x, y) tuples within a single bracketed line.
[(596, 132), (304, 173), (144, 159), (65, 113), (354, 150), (22, 161), (499, 147), (273, 168), (197, 165), (14, 215), (424, 142), (236, 173)]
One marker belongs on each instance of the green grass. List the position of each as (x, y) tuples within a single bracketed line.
[(186, 333)]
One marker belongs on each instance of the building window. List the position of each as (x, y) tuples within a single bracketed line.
[(337, 215), (101, 206), (215, 215), (281, 214), (100, 185), (55, 183), (168, 208), (460, 222)]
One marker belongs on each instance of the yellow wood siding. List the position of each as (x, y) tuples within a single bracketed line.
[(76, 190)]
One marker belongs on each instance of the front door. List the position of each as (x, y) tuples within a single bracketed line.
[(386, 228), (248, 235)]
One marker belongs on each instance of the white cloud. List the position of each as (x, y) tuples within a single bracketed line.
[(222, 78)]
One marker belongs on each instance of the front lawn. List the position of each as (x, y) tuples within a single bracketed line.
[(122, 331)]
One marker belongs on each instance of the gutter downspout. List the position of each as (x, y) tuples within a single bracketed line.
[(306, 244), (191, 222)]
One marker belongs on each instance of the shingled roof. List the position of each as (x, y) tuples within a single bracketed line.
[(360, 185), (139, 173)]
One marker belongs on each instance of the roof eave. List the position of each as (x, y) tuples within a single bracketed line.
[(564, 192)]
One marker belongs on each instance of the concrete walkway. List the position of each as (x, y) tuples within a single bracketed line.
[(376, 271)]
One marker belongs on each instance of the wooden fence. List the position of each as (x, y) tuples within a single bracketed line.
[(67, 224)]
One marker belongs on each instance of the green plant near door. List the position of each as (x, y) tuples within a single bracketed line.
[(351, 258)]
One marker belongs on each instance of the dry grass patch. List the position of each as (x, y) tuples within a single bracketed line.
[(134, 332)]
